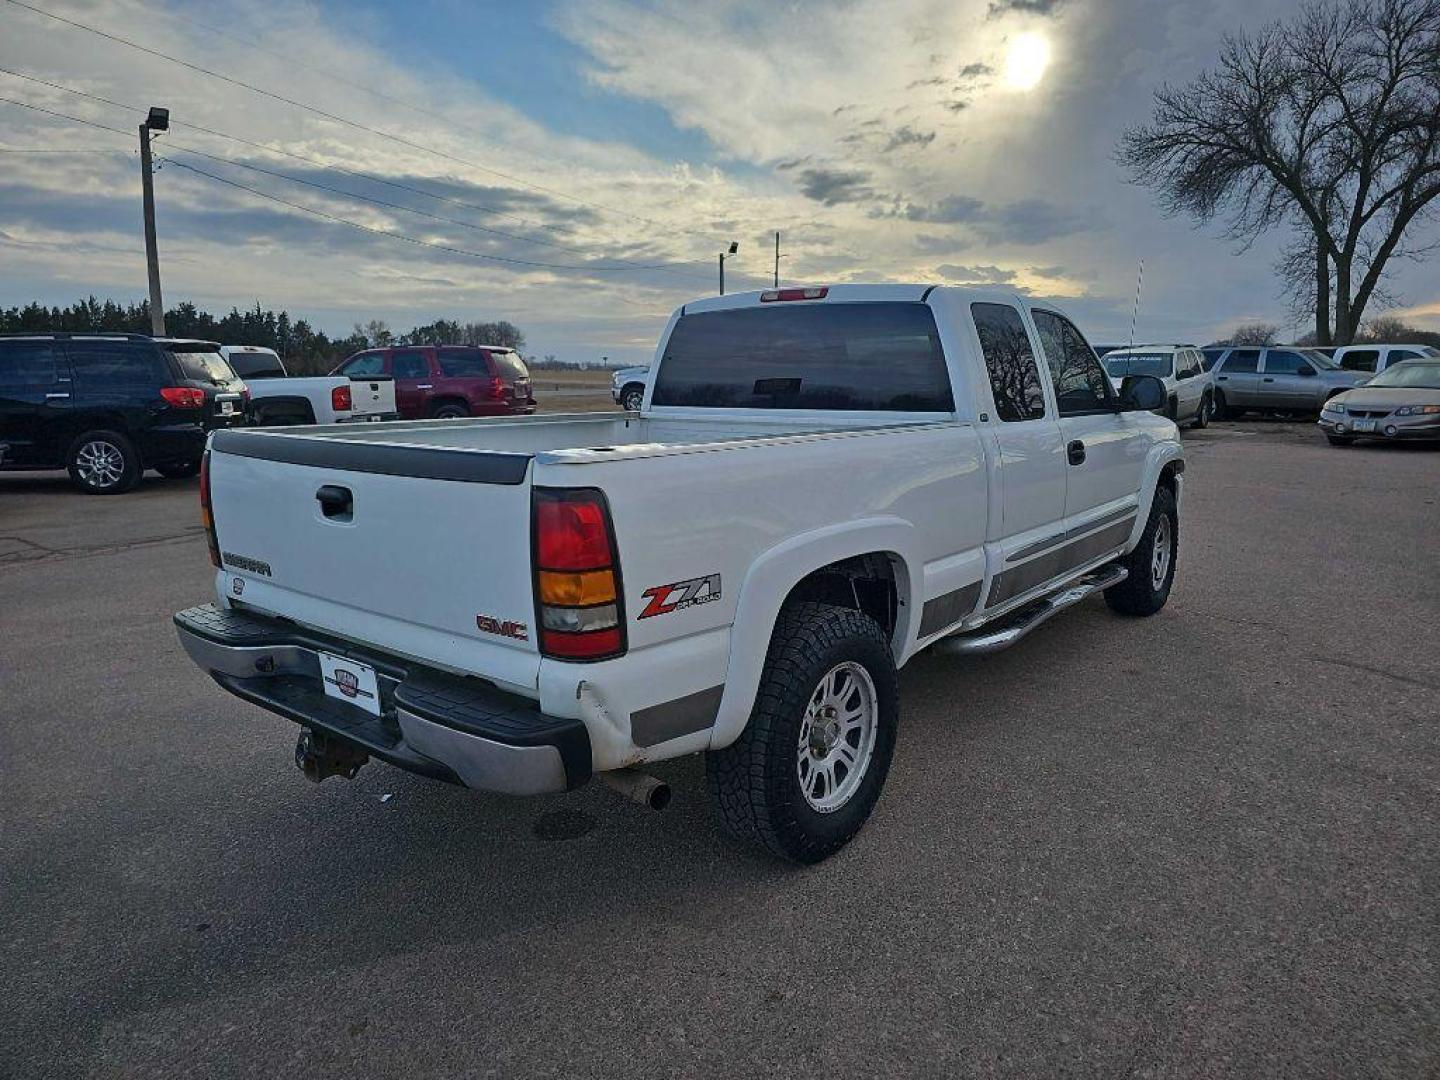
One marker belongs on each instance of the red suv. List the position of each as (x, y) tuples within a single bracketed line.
[(449, 380)]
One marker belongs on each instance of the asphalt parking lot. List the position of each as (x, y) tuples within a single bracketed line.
[(1201, 844)]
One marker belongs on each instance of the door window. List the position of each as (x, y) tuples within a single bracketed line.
[(410, 364), (1396, 355), (1208, 357), (364, 364), (116, 363), (1010, 360), (1081, 385), (1360, 360), (1241, 362), (1284, 362), (27, 364)]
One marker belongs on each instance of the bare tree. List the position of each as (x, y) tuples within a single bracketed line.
[(1329, 124), (1256, 333)]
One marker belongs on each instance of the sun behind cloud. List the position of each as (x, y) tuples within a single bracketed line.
[(1026, 61)]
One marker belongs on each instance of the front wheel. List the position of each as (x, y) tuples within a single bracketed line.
[(1202, 416), (632, 398), (1152, 563), (804, 775)]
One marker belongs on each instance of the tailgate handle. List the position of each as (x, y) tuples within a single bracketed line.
[(336, 502)]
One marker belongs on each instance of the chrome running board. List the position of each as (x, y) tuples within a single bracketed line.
[(987, 640)]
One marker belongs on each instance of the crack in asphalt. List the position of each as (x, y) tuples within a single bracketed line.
[(1357, 666), (42, 553)]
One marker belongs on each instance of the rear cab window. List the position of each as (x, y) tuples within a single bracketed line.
[(879, 356), (257, 365), (1360, 360)]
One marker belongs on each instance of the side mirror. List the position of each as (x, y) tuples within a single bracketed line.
[(1142, 393)]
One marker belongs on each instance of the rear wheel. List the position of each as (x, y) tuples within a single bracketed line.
[(449, 410), (1152, 563), (803, 777), (1202, 416), (632, 398), (103, 463)]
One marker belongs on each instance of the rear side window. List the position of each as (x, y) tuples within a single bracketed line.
[(1080, 382), (884, 357), (1396, 355), (25, 364), (509, 365), (410, 364), (1360, 360), (203, 366), (1010, 361), (1241, 361), (464, 363), (116, 363)]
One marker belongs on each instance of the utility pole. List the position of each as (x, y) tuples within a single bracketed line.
[(158, 120), (777, 258)]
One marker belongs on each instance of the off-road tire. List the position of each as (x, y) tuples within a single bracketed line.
[(1140, 593), (178, 470), (754, 781), (94, 446)]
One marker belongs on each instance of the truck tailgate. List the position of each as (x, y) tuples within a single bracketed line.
[(372, 396), (337, 536)]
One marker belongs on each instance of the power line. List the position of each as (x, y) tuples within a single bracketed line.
[(666, 267), (343, 120), (359, 174), (334, 217)]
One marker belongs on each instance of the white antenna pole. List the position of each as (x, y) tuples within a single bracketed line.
[(1135, 314)]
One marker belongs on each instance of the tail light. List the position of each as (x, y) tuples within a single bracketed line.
[(340, 398), (207, 515), (183, 397), (773, 295), (497, 388), (578, 601)]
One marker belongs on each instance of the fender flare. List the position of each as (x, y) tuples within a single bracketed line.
[(1160, 456), (769, 582)]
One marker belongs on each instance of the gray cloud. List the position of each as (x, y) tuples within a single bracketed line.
[(976, 275), (948, 210), (1034, 221), (908, 136), (835, 186), (976, 70), (1047, 8), (935, 245)]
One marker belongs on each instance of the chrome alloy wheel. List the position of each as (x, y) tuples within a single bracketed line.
[(100, 464), (1160, 553), (837, 737)]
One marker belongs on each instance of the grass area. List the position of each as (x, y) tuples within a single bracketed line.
[(598, 378)]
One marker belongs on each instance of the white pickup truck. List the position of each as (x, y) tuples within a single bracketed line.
[(278, 398), (822, 483)]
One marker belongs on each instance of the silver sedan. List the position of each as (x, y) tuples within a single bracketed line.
[(1402, 402)]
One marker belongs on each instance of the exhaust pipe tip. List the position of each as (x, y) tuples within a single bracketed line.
[(638, 787)]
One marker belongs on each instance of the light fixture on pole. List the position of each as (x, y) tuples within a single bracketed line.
[(157, 120), (734, 247)]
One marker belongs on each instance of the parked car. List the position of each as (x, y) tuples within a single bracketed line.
[(1373, 359), (1276, 379), (277, 398), (825, 482), (627, 387), (106, 407), (449, 381), (1103, 351), (1402, 402), (1190, 392)]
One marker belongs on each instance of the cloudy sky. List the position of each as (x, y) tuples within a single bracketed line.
[(602, 152)]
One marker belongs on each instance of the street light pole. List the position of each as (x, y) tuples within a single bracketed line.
[(734, 247), (158, 120)]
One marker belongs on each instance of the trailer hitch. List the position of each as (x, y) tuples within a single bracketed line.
[(319, 755)]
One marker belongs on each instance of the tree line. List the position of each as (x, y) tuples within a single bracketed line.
[(306, 350)]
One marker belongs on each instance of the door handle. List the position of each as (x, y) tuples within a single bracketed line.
[(1221, 378), (424, 386), (336, 501), (57, 397), (1075, 453), (1267, 380)]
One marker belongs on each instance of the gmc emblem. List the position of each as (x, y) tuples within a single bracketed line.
[(488, 624)]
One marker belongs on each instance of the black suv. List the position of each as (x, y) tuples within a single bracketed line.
[(109, 406)]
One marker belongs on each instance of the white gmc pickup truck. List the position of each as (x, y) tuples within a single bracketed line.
[(821, 483)]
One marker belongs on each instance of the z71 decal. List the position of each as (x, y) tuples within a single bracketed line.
[(682, 594)]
